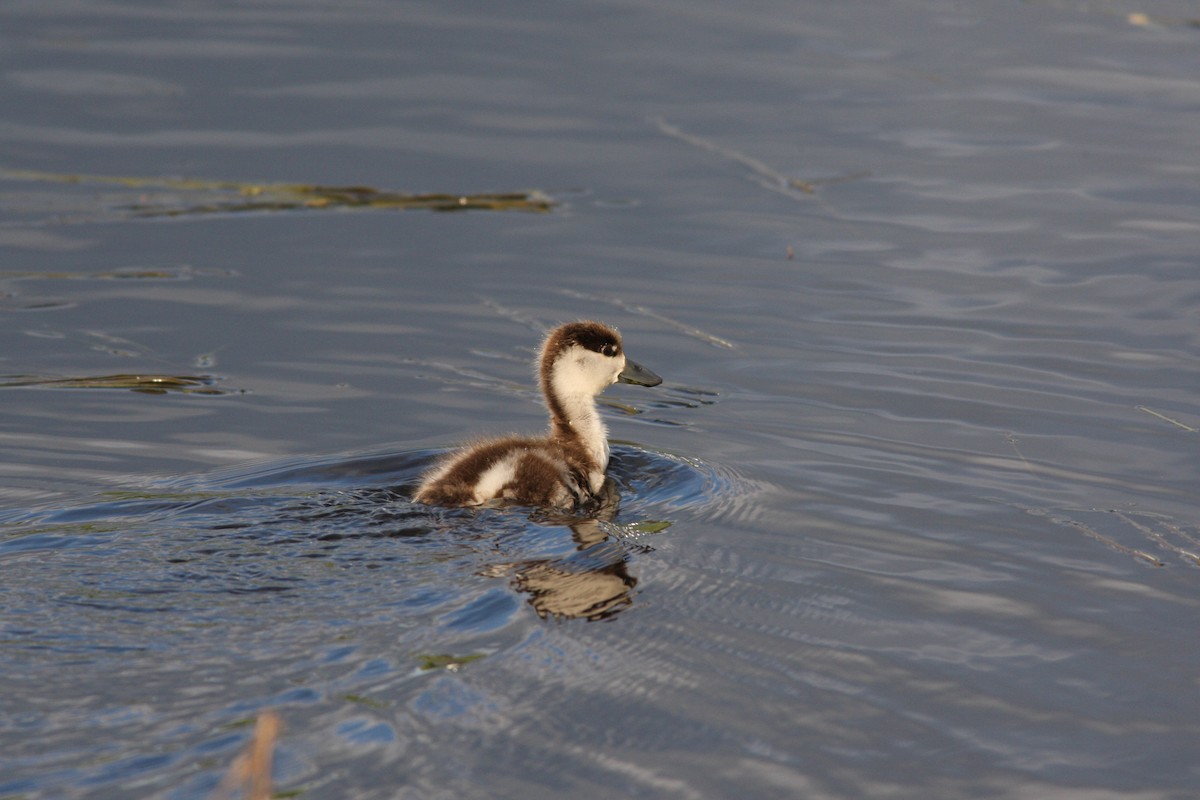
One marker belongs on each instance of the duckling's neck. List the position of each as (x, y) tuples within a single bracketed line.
[(580, 423), (575, 421)]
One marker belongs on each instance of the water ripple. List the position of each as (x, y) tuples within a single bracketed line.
[(308, 524)]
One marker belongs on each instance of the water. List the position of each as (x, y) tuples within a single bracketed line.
[(913, 514)]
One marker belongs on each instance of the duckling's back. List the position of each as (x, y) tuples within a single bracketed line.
[(526, 471)]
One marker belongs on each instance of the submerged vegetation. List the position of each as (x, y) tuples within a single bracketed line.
[(177, 197), (432, 661), (146, 384)]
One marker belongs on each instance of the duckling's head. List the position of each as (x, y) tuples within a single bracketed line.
[(583, 358)]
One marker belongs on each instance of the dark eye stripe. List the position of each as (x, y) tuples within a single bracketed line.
[(588, 335), (597, 342)]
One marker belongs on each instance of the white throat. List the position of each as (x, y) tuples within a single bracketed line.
[(576, 390)]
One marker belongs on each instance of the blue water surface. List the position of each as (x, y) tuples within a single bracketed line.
[(913, 514)]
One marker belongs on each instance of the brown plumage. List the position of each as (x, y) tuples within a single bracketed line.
[(564, 468)]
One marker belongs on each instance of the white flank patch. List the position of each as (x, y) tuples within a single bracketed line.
[(496, 476)]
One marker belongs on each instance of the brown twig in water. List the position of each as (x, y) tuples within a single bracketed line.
[(251, 770)]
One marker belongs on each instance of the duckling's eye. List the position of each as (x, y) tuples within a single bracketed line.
[(609, 350)]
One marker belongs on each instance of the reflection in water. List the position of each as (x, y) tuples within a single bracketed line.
[(594, 594), (592, 583)]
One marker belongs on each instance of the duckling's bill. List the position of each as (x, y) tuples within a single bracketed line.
[(638, 375)]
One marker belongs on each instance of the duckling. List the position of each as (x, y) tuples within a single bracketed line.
[(566, 467)]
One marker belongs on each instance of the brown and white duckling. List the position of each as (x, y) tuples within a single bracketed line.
[(565, 467)]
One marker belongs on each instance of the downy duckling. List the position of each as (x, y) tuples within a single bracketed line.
[(566, 467)]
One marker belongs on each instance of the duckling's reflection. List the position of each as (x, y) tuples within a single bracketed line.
[(593, 582)]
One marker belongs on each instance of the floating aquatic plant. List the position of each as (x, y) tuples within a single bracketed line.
[(146, 384), (431, 661), (228, 197)]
